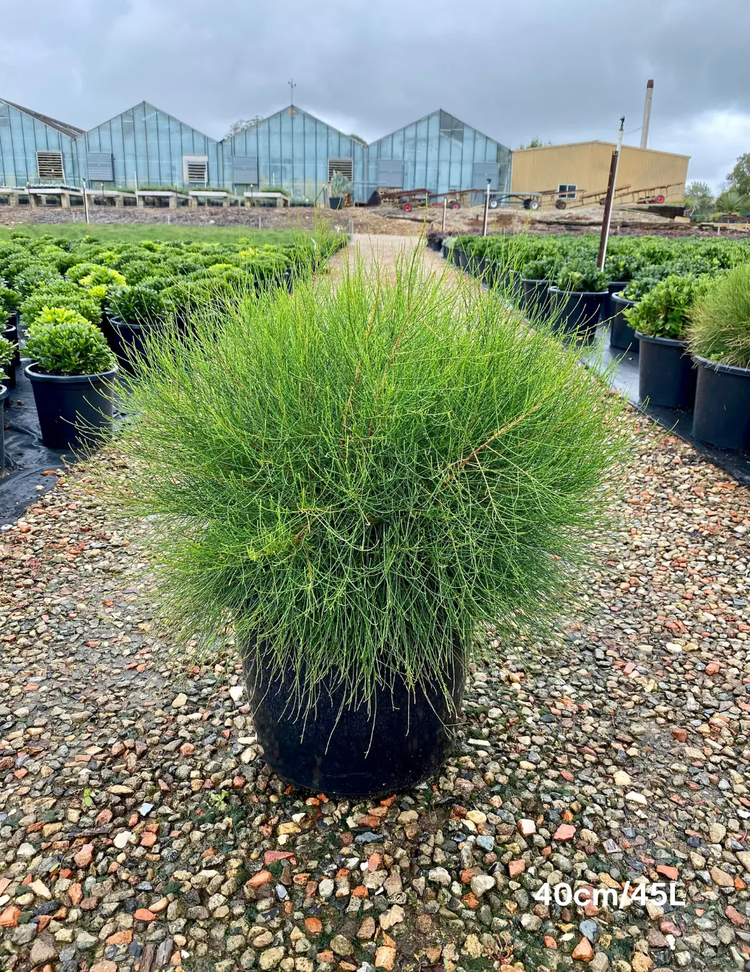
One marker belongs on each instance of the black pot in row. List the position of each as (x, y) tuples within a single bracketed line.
[(718, 394)]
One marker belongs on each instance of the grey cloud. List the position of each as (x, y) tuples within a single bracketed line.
[(563, 72)]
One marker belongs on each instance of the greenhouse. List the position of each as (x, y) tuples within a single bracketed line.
[(145, 148)]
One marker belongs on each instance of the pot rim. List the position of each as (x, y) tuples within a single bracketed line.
[(718, 366), (116, 321), (580, 293), (536, 280), (4, 392), (618, 283), (667, 342), (622, 300), (41, 376)]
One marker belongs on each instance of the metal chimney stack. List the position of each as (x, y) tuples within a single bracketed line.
[(647, 114)]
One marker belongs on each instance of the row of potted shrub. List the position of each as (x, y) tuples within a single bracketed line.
[(87, 308), (648, 309), (695, 352)]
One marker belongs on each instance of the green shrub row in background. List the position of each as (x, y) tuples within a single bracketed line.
[(145, 280), (686, 288)]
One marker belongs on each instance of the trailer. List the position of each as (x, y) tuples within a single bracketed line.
[(529, 200), (409, 199)]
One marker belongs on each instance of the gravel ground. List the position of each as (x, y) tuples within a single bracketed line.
[(141, 830)]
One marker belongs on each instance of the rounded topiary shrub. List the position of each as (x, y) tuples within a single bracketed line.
[(360, 472)]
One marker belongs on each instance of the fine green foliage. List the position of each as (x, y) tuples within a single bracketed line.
[(62, 342), (720, 320), (362, 471), (141, 304), (663, 312)]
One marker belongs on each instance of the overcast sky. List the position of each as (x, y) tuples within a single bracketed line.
[(560, 71)]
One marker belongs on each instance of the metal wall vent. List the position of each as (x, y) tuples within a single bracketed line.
[(50, 166)]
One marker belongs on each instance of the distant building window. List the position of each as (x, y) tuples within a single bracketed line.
[(50, 166), (344, 166), (566, 192), (195, 170)]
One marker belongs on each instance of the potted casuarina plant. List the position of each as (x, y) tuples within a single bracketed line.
[(7, 351), (578, 296), (356, 477), (340, 189), (666, 376), (71, 375), (719, 339)]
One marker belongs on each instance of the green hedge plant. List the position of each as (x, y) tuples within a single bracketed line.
[(63, 293), (7, 353), (720, 320), (581, 276), (62, 342), (9, 301), (142, 304), (362, 472), (664, 310)]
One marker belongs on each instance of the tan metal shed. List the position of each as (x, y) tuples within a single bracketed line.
[(582, 168)]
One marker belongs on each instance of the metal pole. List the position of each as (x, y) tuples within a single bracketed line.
[(486, 207), (607, 218), (445, 210), (647, 114), (85, 202)]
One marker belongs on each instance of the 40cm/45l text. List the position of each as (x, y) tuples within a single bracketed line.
[(658, 893)]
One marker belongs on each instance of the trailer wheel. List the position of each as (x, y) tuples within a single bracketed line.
[(407, 207), (560, 204), (660, 198), (454, 204), (533, 204), (494, 203)]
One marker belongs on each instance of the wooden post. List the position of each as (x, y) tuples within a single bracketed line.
[(607, 218), (486, 207), (445, 210)]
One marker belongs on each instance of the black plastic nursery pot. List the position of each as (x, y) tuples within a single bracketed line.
[(621, 334), (75, 411), (722, 405), (336, 202), (126, 340), (10, 333), (666, 375), (355, 751), (3, 399), (8, 375), (460, 257), (535, 297), (614, 287), (579, 311)]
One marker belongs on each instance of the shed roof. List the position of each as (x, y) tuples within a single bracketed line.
[(70, 130), (595, 141)]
